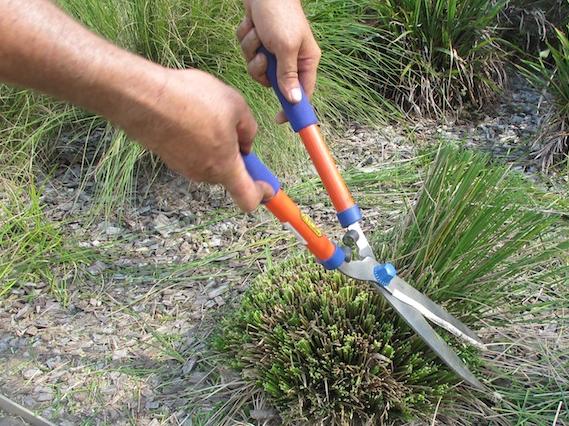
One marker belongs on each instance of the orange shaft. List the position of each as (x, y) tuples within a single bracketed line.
[(326, 167), (287, 212)]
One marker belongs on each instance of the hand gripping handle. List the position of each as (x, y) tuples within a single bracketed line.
[(288, 213), (303, 120)]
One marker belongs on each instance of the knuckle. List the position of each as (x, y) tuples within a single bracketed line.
[(239, 30), (212, 172), (254, 37), (288, 45), (234, 97), (255, 70), (290, 75), (317, 53)]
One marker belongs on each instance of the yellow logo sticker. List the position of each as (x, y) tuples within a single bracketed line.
[(306, 219)]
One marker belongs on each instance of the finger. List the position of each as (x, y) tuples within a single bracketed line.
[(308, 67), (250, 44), (244, 28), (281, 117), (287, 74), (246, 129), (257, 68), (246, 193), (266, 190)]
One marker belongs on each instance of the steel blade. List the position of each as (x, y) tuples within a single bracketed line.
[(436, 313), (418, 323)]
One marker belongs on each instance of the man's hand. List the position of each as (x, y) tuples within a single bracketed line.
[(194, 122), (280, 26), (198, 126)]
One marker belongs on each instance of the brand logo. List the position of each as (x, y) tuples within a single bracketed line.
[(306, 219)]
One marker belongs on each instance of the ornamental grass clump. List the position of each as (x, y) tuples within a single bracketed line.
[(329, 349), (552, 144), (454, 56), (326, 349), (530, 24)]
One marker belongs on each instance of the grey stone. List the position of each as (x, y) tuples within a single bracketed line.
[(44, 397), (30, 373), (97, 267)]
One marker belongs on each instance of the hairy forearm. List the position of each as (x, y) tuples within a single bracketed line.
[(44, 49)]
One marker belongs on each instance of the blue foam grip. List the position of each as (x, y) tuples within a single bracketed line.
[(300, 115), (384, 273), (259, 171), (349, 216), (335, 260)]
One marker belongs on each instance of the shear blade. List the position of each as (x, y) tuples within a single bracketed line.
[(437, 314), (420, 325)]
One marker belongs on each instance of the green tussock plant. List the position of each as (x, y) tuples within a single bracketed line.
[(329, 350), (200, 34), (33, 249), (29, 127), (529, 25), (553, 140), (454, 56)]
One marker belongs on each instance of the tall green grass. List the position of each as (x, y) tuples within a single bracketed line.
[(33, 249), (422, 56), (456, 58), (553, 140)]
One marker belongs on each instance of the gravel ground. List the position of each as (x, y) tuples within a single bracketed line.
[(125, 343)]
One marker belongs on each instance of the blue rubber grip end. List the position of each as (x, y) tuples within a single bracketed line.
[(384, 273), (349, 216), (335, 260), (259, 171), (300, 115)]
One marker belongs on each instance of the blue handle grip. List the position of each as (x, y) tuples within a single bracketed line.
[(300, 115), (259, 171)]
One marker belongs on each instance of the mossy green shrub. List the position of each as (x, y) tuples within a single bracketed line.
[(328, 350)]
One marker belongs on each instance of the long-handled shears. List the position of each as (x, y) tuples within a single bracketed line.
[(412, 305)]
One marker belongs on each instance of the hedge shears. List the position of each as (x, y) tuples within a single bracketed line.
[(412, 305)]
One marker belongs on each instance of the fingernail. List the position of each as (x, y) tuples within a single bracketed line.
[(296, 94)]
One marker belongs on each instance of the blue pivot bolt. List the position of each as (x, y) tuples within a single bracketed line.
[(384, 273)]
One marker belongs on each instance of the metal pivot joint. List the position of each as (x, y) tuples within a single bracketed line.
[(384, 273)]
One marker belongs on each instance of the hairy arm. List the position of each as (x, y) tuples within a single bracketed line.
[(43, 49), (194, 122)]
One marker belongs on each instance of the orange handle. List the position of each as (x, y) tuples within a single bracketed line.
[(286, 210), (288, 213), (326, 167)]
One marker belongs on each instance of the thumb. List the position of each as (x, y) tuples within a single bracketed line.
[(246, 193), (287, 76)]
